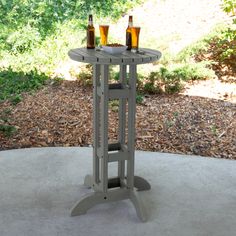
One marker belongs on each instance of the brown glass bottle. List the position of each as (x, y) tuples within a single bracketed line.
[(90, 34), (128, 33)]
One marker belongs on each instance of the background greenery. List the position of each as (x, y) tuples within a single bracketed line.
[(36, 35)]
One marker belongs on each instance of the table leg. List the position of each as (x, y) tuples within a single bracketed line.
[(96, 135), (131, 125), (104, 127), (122, 121), (133, 181)]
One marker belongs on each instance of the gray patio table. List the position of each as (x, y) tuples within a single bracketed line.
[(125, 185)]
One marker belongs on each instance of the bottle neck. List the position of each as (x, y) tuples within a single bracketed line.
[(130, 24), (90, 22)]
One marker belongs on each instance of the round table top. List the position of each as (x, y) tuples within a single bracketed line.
[(94, 56)]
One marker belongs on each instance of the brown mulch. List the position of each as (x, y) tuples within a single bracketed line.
[(62, 116)]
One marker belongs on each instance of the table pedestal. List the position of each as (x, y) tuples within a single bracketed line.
[(125, 185)]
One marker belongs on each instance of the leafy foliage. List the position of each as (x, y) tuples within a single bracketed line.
[(227, 43), (23, 39), (228, 37), (46, 14), (229, 6)]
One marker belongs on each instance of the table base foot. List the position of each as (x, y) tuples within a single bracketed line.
[(92, 199), (138, 204), (88, 181), (141, 184)]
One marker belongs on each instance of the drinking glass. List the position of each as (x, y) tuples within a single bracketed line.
[(135, 38), (103, 34)]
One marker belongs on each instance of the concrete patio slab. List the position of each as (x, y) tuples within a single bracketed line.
[(190, 196)]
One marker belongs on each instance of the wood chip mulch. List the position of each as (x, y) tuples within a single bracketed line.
[(61, 115)]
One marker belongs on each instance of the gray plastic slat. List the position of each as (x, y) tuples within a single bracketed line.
[(75, 56), (89, 55), (117, 156), (144, 58), (155, 53), (151, 55), (134, 57), (113, 59), (114, 147), (115, 86), (118, 93), (126, 58)]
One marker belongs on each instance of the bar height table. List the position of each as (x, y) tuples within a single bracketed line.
[(125, 185)]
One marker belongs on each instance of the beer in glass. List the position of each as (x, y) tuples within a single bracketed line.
[(103, 34), (135, 38)]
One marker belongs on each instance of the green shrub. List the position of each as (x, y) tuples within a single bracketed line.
[(226, 43), (153, 84), (13, 83), (16, 99), (171, 80), (7, 130), (228, 37), (139, 99), (85, 77), (4, 115)]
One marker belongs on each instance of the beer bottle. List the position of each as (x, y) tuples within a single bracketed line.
[(90, 34), (128, 33)]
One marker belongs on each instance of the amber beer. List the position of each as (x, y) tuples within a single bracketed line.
[(103, 34), (90, 34), (128, 33), (135, 38)]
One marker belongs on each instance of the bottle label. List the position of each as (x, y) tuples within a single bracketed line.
[(90, 39), (128, 40)]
